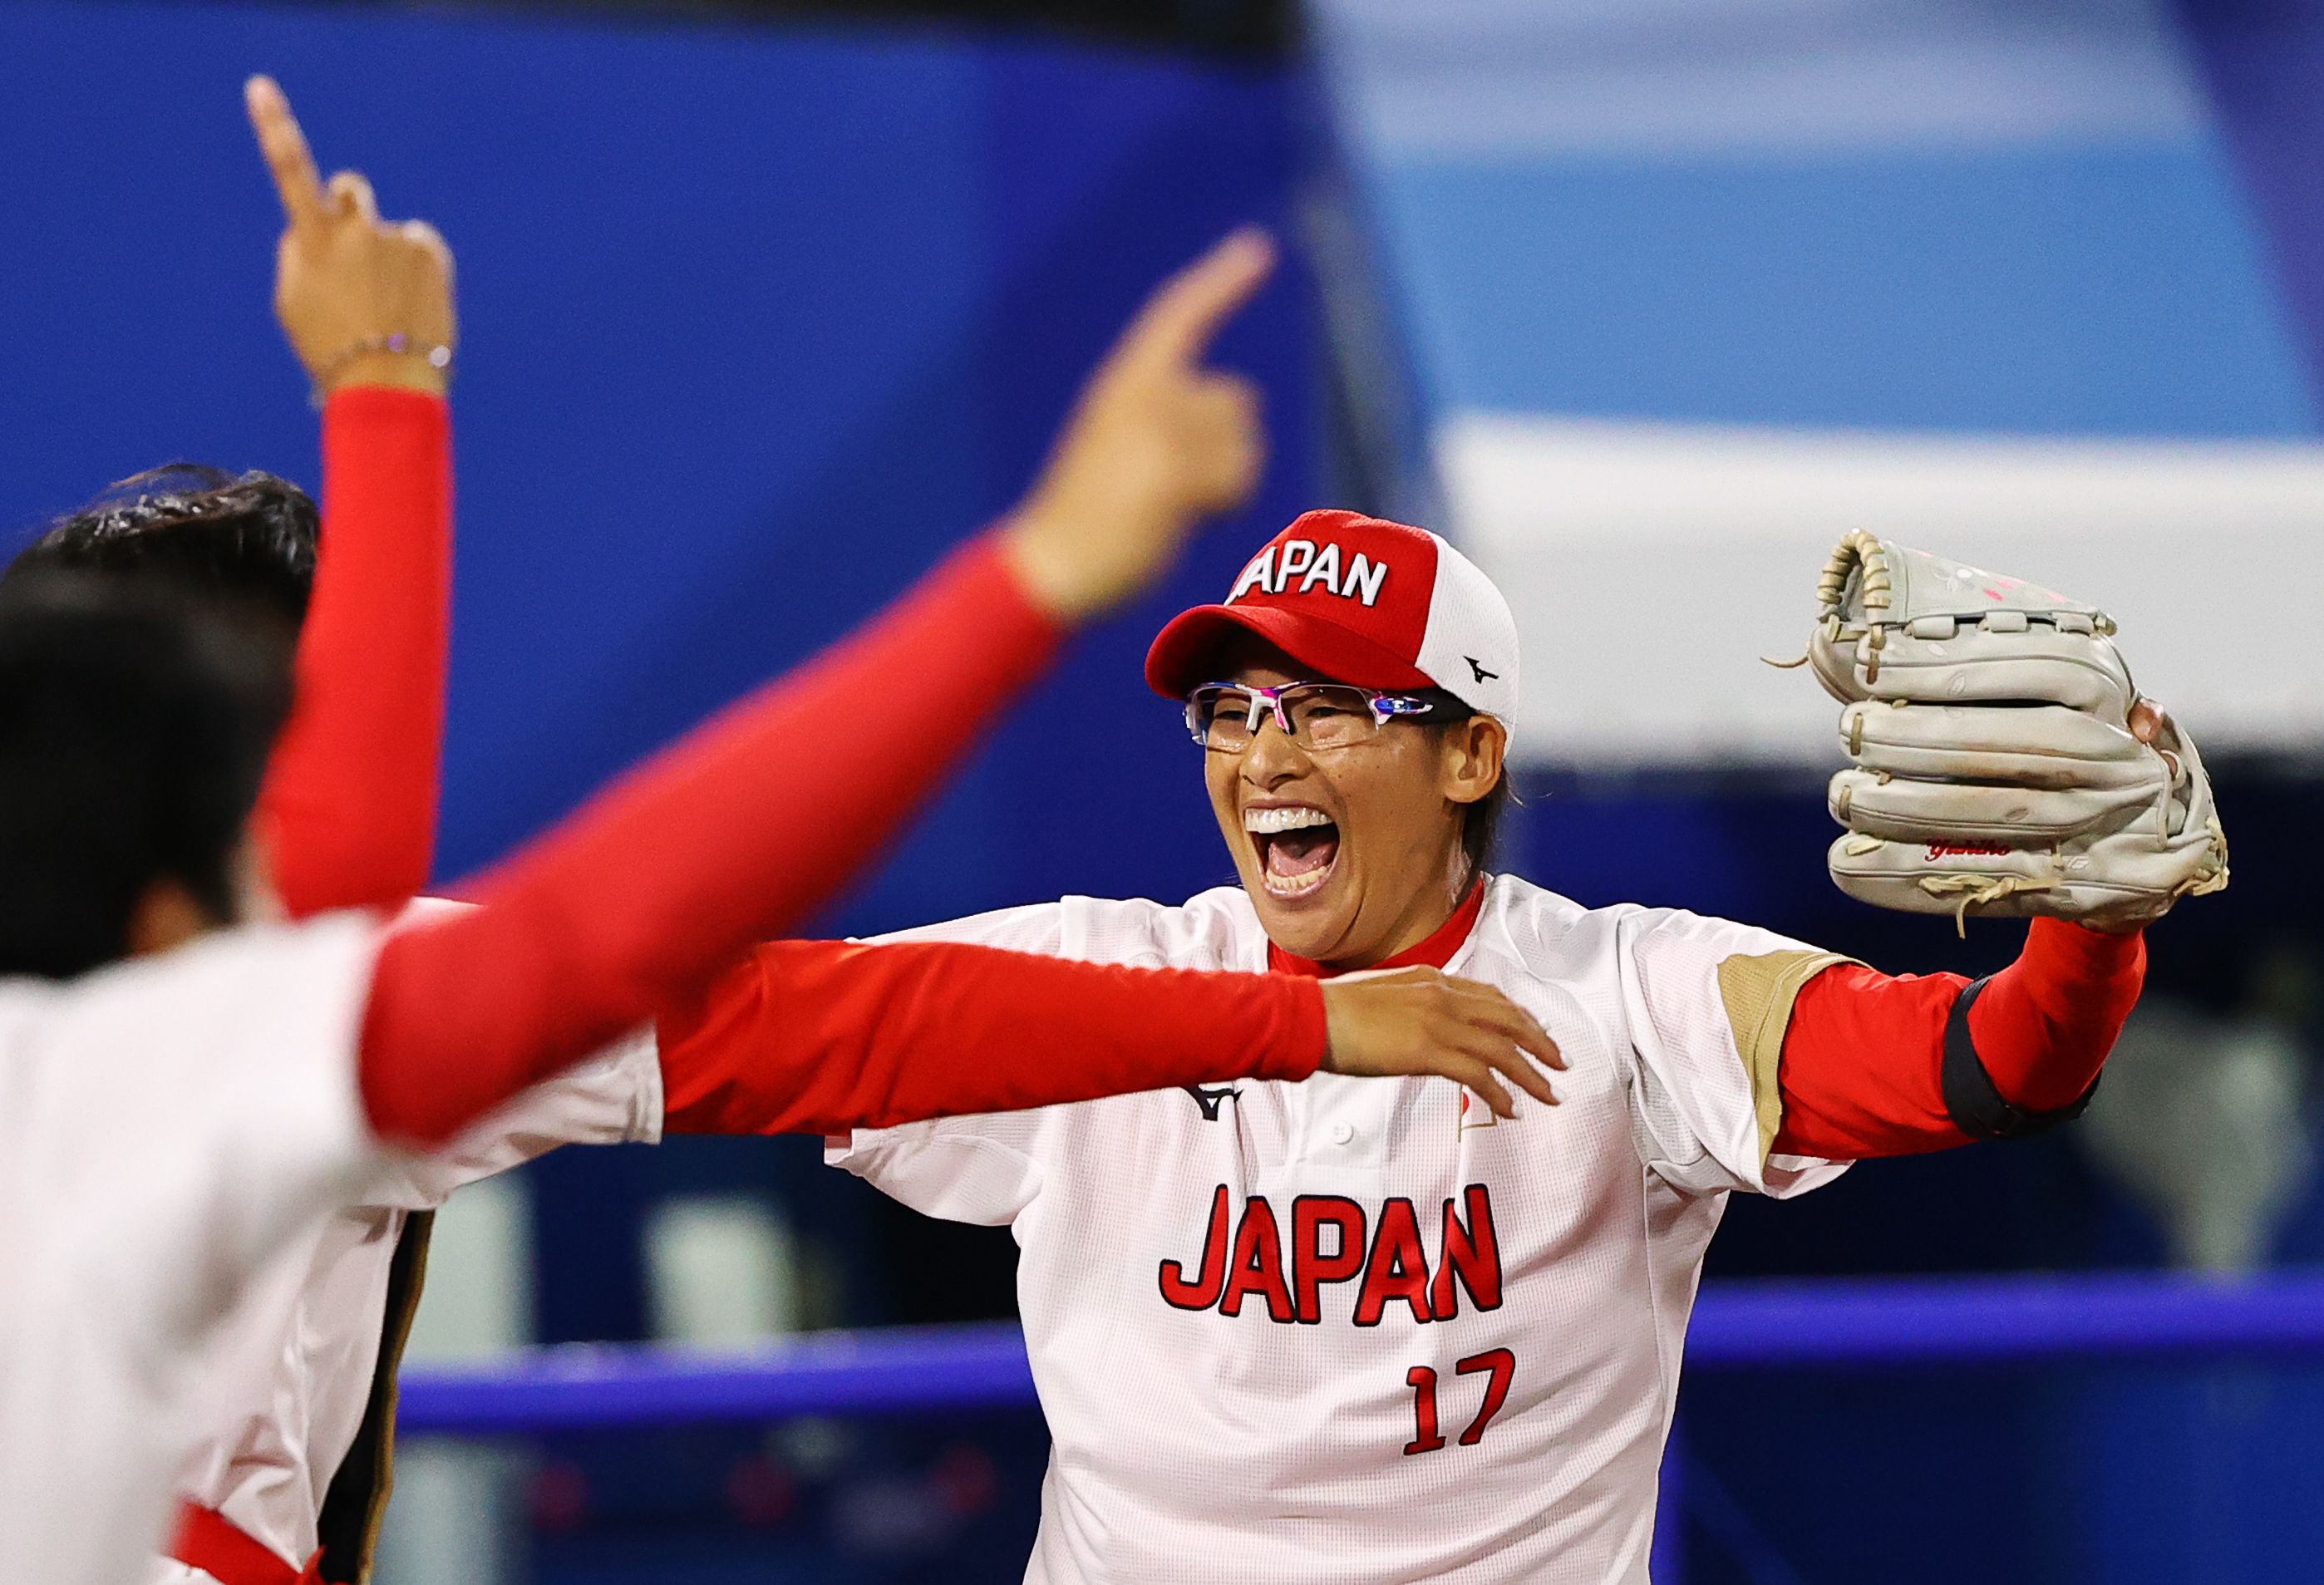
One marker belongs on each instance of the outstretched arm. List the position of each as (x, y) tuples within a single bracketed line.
[(349, 803), (819, 1036), (1864, 1069), (639, 901), (1880, 1065)]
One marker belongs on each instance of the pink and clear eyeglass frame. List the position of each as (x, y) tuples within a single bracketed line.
[(1385, 708)]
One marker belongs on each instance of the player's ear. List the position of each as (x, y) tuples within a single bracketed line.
[(165, 916), (170, 913), (1469, 766)]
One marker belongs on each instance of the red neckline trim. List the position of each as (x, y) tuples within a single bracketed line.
[(1434, 952)]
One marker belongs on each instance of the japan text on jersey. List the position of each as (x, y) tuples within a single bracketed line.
[(1328, 1330)]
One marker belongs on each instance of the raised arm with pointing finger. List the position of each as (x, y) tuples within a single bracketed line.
[(349, 804)]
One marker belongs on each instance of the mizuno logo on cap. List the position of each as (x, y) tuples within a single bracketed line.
[(1277, 565), (1482, 675)]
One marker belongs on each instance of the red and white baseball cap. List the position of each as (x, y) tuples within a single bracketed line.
[(1363, 601)]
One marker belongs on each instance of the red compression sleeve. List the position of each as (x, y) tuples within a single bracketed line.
[(638, 900), (2043, 1028), (349, 804), (822, 1036), (1863, 1056)]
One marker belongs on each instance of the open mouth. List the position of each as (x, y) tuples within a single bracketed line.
[(1297, 846)]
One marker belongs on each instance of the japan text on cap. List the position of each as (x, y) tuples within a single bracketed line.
[(1363, 601)]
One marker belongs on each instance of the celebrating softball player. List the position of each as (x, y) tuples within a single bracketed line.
[(1342, 1332)]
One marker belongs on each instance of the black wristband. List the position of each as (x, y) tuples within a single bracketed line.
[(1976, 1107)]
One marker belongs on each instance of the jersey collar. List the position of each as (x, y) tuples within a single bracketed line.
[(1434, 952)]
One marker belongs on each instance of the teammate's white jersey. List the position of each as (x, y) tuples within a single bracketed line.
[(1354, 1330), (293, 1367), (167, 1125)]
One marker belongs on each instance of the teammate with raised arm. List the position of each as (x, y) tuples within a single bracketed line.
[(872, 1034), (1357, 1333)]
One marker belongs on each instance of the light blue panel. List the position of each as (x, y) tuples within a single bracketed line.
[(2042, 288)]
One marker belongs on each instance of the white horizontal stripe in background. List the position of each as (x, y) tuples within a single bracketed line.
[(1649, 566), (1451, 78)]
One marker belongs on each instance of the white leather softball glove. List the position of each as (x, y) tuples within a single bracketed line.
[(2003, 763)]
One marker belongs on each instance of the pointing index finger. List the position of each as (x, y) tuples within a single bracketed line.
[(1179, 320), (287, 155)]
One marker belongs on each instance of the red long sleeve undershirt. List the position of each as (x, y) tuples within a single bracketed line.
[(1862, 1068), (821, 1037), (349, 803), (638, 900), (1864, 1052)]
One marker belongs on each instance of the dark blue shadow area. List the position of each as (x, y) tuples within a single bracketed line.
[(950, 1499), (2099, 1474), (2262, 60)]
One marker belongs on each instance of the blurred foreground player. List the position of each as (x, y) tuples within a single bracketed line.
[(287, 1480), (1338, 1332), (344, 823)]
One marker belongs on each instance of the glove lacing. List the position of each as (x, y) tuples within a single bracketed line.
[(1978, 890)]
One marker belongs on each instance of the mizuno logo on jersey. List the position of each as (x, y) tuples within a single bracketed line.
[(1330, 1241), (1210, 1100), (1271, 574)]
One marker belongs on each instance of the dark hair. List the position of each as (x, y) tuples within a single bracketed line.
[(134, 727), (244, 540)]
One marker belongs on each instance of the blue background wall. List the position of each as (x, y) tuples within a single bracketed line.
[(753, 326)]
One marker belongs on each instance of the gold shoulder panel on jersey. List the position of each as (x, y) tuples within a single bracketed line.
[(1758, 991)]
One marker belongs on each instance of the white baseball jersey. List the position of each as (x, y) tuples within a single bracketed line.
[(1355, 1330), (293, 1367), (167, 1125)]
